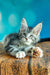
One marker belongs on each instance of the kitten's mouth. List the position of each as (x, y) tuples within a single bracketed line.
[(27, 43)]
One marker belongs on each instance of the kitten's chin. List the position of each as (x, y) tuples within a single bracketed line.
[(27, 43)]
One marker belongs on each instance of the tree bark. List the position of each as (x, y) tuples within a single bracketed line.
[(9, 65)]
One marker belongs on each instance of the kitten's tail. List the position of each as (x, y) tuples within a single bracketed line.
[(44, 40)]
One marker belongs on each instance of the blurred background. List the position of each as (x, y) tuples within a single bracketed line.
[(35, 11)]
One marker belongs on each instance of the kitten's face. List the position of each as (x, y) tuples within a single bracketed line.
[(29, 37)]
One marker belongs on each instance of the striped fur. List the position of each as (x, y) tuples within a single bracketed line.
[(22, 44)]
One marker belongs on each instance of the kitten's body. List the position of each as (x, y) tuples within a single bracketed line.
[(22, 44)]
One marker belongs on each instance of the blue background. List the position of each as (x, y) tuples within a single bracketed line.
[(35, 11)]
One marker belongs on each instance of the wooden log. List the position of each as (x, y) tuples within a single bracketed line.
[(9, 65)]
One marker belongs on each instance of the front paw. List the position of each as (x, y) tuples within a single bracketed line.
[(20, 54), (38, 52)]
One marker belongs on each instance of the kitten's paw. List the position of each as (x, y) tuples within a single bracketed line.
[(39, 51), (20, 54)]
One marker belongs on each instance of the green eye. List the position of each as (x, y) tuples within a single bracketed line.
[(30, 35), (24, 34)]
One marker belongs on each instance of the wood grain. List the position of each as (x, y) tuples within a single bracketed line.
[(28, 66)]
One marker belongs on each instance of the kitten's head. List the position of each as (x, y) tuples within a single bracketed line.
[(29, 37)]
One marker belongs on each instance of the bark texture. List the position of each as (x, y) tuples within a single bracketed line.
[(28, 66)]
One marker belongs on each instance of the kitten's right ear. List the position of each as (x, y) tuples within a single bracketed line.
[(24, 26), (37, 29)]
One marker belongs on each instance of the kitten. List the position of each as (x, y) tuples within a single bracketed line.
[(21, 44)]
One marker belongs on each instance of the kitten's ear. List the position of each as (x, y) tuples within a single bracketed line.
[(36, 30), (24, 26)]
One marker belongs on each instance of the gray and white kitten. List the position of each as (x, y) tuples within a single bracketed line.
[(22, 44)]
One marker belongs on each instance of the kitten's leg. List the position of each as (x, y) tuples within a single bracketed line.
[(29, 50), (34, 50), (20, 54), (17, 53), (39, 51), (23, 53)]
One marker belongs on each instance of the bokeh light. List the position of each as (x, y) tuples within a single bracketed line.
[(13, 20)]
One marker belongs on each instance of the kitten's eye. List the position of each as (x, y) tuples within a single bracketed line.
[(30, 35), (24, 35)]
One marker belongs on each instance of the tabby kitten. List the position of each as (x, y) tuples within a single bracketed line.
[(21, 44)]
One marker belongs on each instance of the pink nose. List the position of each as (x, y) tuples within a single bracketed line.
[(26, 38)]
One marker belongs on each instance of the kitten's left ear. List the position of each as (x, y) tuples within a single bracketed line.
[(24, 26), (36, 30)]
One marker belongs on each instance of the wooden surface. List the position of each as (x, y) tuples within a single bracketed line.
[(28, 66)]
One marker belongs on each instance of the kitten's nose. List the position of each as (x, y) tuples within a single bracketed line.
[(26, 38)]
